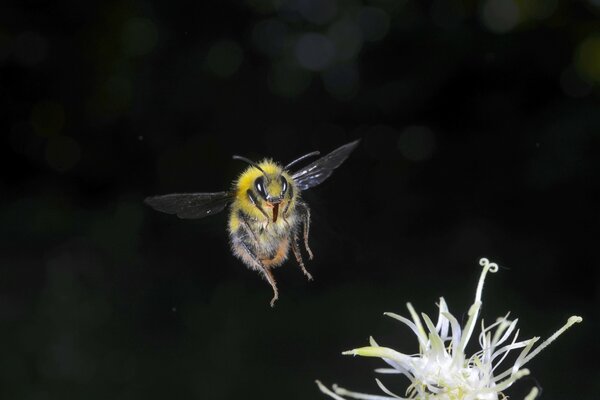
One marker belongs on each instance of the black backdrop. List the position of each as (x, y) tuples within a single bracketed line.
[(480, 136)]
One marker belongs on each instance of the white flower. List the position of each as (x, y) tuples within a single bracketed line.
[(441, 370)]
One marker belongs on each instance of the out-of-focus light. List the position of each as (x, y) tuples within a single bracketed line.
[(573, 85), (288, 80), (47, 118), (269, 36), (347, 38), (30, 48), (62, 153), (587, 58), (314, 51), (316, 11), (341, 81), (224, 58), (595, 3), (416, 143), (500, 16), (139, 36), (374, 23)]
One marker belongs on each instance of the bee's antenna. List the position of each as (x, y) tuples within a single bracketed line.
[(304, 157), (255, 165)]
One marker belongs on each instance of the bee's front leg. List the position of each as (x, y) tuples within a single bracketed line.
[(255, 203), (284, 214), (286, 222)]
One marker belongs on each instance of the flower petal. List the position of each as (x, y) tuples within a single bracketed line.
[(421, 336), (355, 395), (328, 392), (387, 391)]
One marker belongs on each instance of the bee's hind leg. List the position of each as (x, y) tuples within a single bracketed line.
[(242, 249), (306, 223), (269, 276), (298, 256), (256, 264)]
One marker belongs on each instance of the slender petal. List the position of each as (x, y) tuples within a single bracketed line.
[(441, 370)]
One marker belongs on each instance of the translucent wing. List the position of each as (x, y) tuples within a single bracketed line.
[(190, 205), (319, 170)]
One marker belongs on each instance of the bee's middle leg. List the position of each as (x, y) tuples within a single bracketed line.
[(298, 256), (306, 229)]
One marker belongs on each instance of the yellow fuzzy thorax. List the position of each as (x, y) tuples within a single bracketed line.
[(246, 182)]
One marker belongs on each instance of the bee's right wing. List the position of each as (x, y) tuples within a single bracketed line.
[(319, 170), (190, 205)]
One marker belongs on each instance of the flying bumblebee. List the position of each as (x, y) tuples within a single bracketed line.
[(267, 213)]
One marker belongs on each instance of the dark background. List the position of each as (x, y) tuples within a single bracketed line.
[(480, 130)]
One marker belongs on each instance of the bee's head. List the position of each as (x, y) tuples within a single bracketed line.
[(266, 183), (271, 188)]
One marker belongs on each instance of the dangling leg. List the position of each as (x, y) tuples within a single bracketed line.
[(298, 256), (242, 249), (306, 221), (249, 257), (269, 275)]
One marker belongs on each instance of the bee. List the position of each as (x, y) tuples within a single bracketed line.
[(267, 214)]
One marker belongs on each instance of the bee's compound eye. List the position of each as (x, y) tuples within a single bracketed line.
[(284, 185), (260, 187)]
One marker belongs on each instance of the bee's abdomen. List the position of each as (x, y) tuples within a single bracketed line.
[(266, 242), (279, 256)]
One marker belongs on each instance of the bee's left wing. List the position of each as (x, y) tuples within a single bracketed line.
[(190, 205), (319, 170)]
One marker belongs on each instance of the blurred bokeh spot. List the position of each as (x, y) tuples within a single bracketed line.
[(500, 16), (587, 58), (347, 37), (320, 37), (314, 51)]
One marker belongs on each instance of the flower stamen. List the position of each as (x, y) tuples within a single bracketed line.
[(441, 370)]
